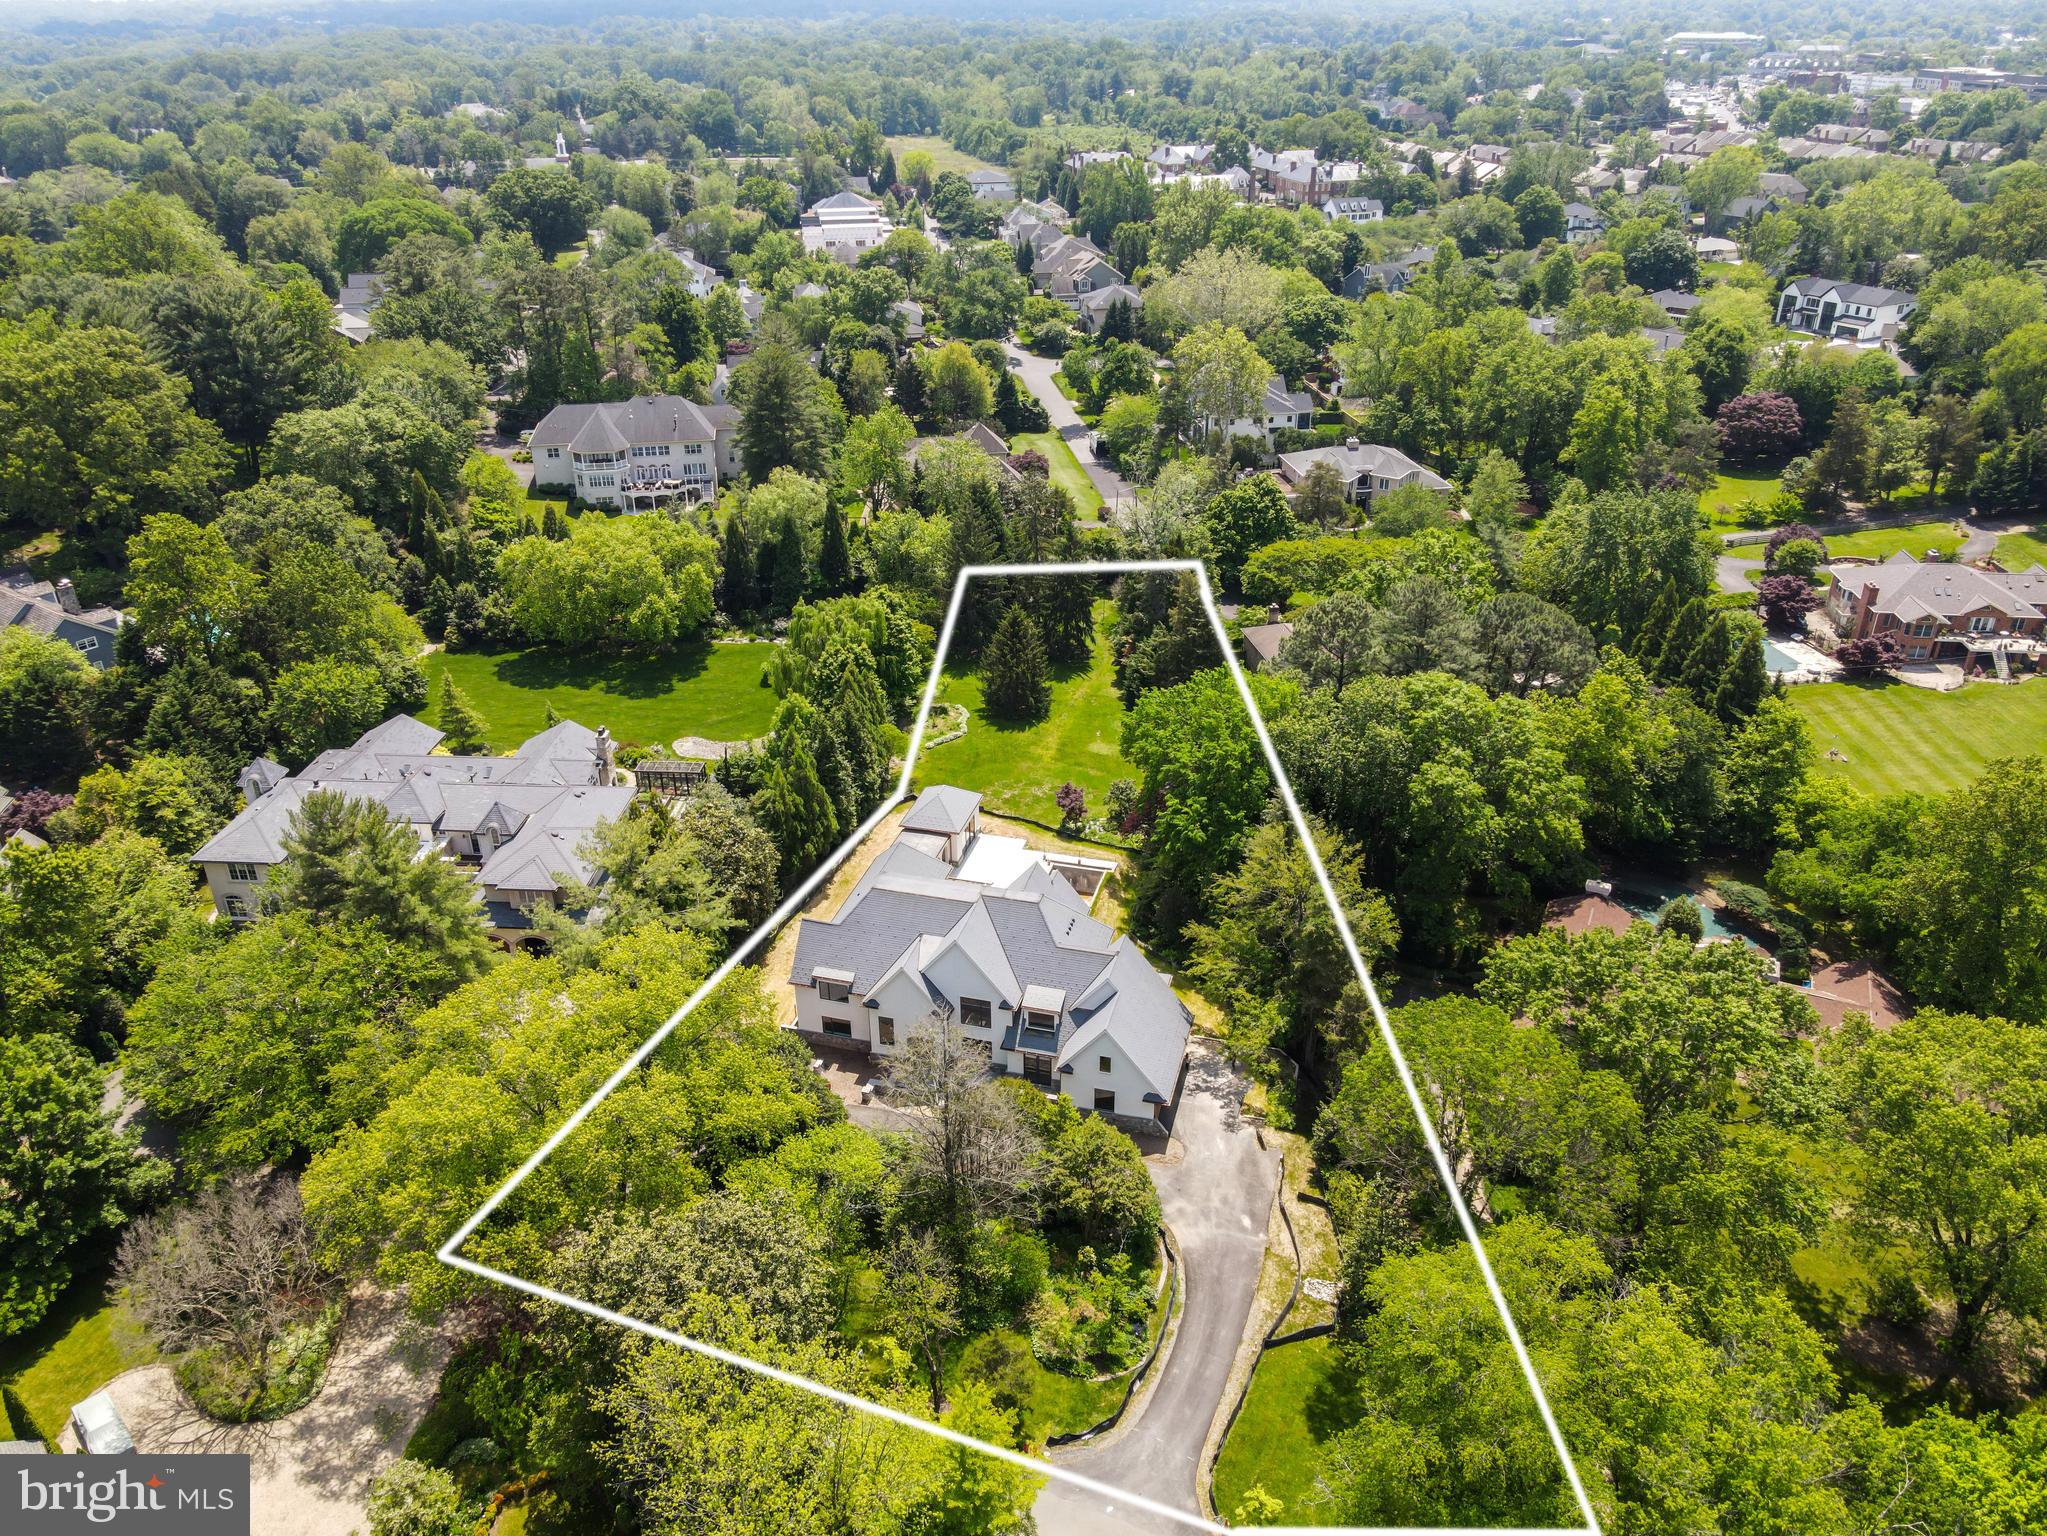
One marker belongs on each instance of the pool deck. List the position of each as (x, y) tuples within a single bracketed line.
[(1808, 663)]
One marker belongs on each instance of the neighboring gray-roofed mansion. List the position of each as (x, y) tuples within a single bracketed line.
[(1367, 469), (54, 610), (639, 454), (995, 935), (1940, 611), (517, 821)]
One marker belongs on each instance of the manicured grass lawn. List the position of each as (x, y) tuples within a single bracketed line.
[(1881, 543), (2017, 551), (69, 1356), (1066, 471), (1020, 768), (1900, 739), (1300, 1396), (1725, 503), (943, 156), (696, 690)]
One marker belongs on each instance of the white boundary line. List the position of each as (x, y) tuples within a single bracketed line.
[(449, 1254)]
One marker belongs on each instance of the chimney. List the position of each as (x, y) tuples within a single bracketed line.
[(67, 596), (603, 749), (1352, 444), (1272, 613)]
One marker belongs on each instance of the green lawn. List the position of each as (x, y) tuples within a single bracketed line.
[(2017, 551), (1019, 768), (1300, 1396), (1881, 543), (1898, 738), (66, 1358), (1725, 503), (698, 690), (1066, 471), (943, 156)]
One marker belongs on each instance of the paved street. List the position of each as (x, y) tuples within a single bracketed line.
[(1217, 1199), (1731, 573), (1036, 373)]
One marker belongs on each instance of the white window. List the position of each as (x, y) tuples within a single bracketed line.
[(88, 644), (243, 873), (1105, 1064), (554, 453), (833, 991), (1916, 652), (885, 1030), (1982, 624), (237, 908), (843, 1027), (1105, 1102), (974, 1013), (695, 450)]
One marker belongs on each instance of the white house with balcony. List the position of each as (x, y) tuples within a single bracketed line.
[(996, 937), (1366, 470), (517, 824), (1853, 312), (637, 455)]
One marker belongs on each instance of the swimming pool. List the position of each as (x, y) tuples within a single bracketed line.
[(1646, 898), (1776, 659)]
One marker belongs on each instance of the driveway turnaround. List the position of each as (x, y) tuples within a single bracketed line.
[(1036, 372), (1217, 1198), (309, 1472)]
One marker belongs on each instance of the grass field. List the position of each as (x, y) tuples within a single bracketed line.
[(2017, 551), (1899, 739), (1299, 1398), (1066, 471), (66, 1358), (1020, 768), (697, 690), (943, 156), (1725, 503), (1881, 543)]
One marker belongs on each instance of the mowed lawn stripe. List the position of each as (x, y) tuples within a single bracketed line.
[(1065, 470), (702, 689), (1898, 739)]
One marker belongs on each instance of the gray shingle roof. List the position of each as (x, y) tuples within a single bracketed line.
[(614, 425), (942, 808)]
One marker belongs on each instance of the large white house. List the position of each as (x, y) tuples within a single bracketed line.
[(1844, 311), (517, 823), (843, 225), (1281, 409), (637, 455), (1366, 469), (995, 936)]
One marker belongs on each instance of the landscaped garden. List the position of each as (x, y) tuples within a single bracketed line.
[(1300, 1396), (1067, 473), (1020, 768), (1894, 738), (698, 689)]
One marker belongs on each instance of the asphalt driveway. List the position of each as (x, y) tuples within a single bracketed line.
[(1036, 373), (1216, 1189)]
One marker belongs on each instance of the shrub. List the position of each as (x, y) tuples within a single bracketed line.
[(1794, 961), (1092, 1319), (1123, 796), (1792, 533), (1786, 600), (1870, 655), (1747, 904), (1002, 1362), (409, 1498), (1681, 915), (1759, 426), (1072, 803)]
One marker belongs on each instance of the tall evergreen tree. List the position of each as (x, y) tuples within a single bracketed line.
[(794, 810), (834, 560), (909, 390), (1707, 664), (465, 728), (554, 524), (787, 578), (1744, 681), (1647, 642), (1686, 630), (739, 587), (1016, 680)]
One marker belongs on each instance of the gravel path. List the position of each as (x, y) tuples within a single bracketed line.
[(309, 1472)]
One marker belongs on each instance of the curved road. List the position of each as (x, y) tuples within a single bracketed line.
[(1217, 1199), (1036, 373)]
